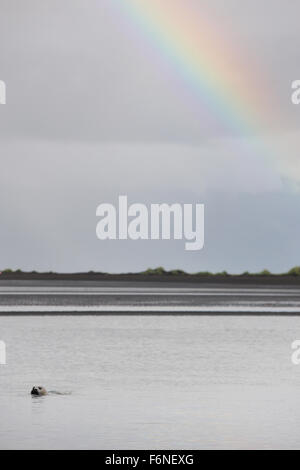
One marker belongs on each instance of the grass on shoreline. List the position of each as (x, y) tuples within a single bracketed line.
[(160, 271), (295, 271)]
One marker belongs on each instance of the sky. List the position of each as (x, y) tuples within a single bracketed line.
[(106, 98)]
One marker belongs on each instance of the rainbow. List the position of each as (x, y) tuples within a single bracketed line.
[(200, 50)]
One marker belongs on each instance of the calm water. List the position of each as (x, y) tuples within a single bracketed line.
[(150, 382)]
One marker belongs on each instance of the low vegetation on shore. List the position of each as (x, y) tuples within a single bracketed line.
[(160, 271)]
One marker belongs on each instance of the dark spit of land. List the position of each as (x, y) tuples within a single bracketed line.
[(159, 275)]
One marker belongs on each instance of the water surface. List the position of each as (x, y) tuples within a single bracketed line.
[(150, 382)]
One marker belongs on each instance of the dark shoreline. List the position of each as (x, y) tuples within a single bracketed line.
[(148, 314), (165, 295), (197, 279)]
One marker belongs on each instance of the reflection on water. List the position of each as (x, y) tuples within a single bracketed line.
[(150, 382)]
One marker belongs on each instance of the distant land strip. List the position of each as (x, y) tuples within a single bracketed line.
[(161, 275)]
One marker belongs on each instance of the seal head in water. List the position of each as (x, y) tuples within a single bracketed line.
[(38, 391)]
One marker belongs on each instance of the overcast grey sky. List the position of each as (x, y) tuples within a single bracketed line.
[(95, 109)]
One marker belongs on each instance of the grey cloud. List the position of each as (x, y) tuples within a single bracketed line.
[(95, 110)]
